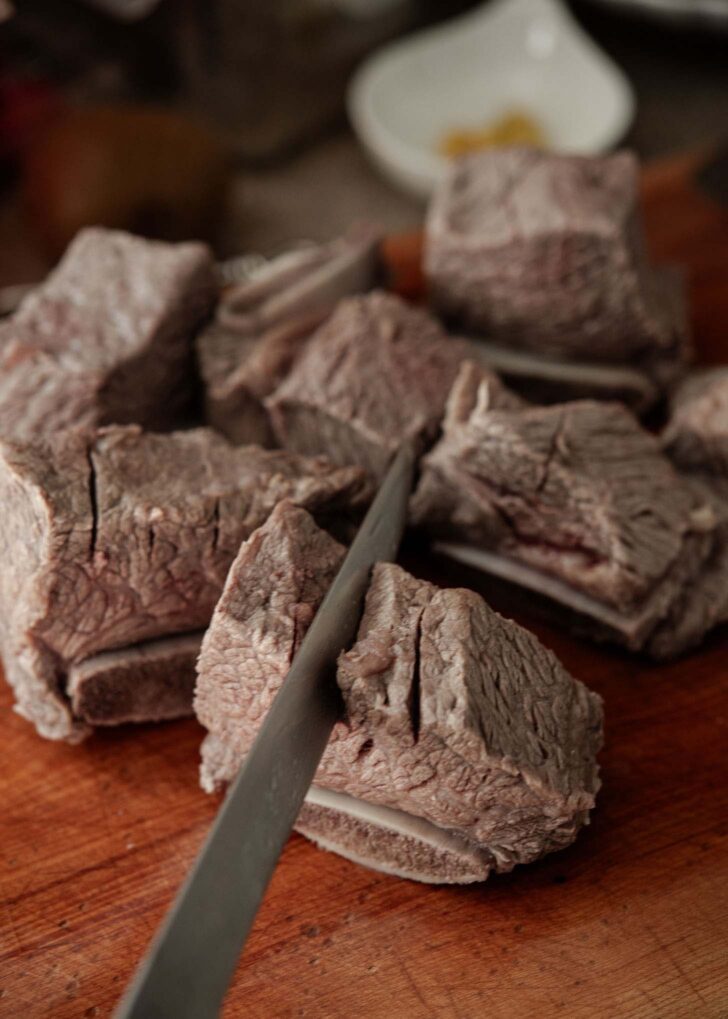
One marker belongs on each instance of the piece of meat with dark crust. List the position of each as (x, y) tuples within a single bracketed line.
[(108, 337), (124, 537)]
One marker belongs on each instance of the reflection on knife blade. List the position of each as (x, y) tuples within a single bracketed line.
[(192, 958)]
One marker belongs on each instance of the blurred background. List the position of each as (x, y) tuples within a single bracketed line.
[(227, 119)]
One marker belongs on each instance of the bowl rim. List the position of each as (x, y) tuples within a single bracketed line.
[(417, 169)]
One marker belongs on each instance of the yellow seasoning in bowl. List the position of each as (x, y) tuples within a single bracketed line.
[(514, 128)]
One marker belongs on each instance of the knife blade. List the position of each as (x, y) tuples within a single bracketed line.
[(190, 963)]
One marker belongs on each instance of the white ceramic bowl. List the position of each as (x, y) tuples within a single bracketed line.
[(526, 54)]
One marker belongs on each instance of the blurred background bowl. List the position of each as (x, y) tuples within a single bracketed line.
[(511, 54)]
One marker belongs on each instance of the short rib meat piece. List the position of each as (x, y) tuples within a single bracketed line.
[(272, 592), (465, 747), (376, 373), (262, 326), (107, 338), (696, 438), (240, 369), (124, 538), (544, 253), (574, 501)]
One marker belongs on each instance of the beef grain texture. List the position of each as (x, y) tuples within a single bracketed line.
[(578, 493), (545, 252), (239, 370), (262, 325), (271, 594), (108, 337), (466, 747), (696, 440), (375, 374), (124, 538), (696, 437)]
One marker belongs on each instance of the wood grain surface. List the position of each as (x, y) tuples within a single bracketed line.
[(629, 922)]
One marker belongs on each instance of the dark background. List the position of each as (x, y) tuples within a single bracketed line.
[(269, 80)]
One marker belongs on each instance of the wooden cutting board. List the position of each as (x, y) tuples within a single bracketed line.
[(630, 922)]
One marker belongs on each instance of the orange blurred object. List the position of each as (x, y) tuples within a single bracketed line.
[(402, 258), (517, 127), (150, 171)]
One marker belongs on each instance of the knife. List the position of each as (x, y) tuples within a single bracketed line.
[(190, 963)]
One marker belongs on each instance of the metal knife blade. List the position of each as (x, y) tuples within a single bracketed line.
[(189, 965)]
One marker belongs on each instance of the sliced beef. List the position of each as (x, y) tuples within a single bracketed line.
[(262, 326), (545, 253), (574, 501), (465, 747), (696, 438), (376, 373), (273, 589), (127, 537), (108, 337)]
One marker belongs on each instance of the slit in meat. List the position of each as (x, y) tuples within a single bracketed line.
[(415, 692), (215, 525), (94, 504)]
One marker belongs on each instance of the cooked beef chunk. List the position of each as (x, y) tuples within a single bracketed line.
[(696, 437), (147, 682), (239, 370), (127, 537), (107, 337), (376, 373), (701, 604), (544, 252), (272, 592), (574, 501), (263, 325), (465, 748)]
